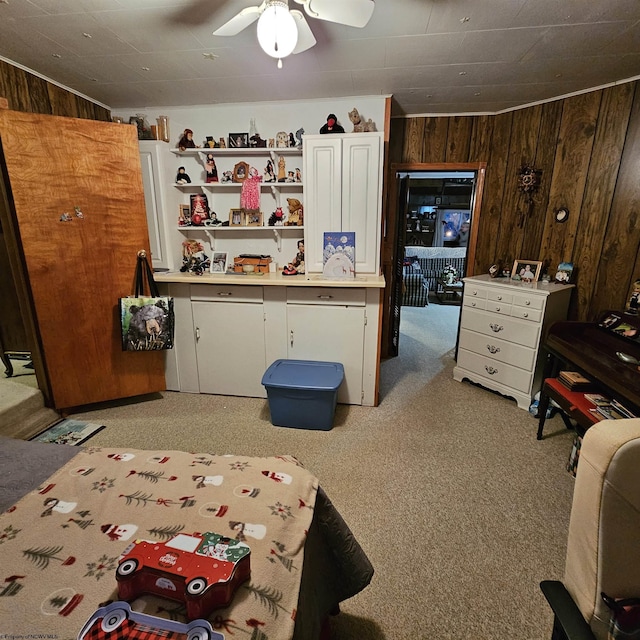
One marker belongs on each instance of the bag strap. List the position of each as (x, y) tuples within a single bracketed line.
[(144, 270)]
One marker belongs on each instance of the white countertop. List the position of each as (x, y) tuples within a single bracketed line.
[(271, 279), (540, 286)]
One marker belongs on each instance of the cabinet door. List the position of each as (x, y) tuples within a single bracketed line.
[(152, 183), (322, 195), (230, 348), (361, 205), (330, 334)]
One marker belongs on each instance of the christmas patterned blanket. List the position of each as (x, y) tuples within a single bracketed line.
[(60, 543)]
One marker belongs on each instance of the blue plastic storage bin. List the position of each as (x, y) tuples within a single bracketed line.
[(303, 393)]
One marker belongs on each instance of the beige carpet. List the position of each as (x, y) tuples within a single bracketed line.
[(460, 509)]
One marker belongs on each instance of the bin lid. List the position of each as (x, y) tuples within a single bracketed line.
[(304, 374)]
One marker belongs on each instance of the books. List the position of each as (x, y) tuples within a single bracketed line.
[(574, 380), (597, 399), (608, 409)]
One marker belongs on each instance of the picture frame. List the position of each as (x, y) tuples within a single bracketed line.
[(240, 172), (184, 215), (564, 274), (219, 262), (526, 270), (236, 217), (238, 140), (253, 218)]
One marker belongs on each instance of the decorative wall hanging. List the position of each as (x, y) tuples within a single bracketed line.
[(528, 183)]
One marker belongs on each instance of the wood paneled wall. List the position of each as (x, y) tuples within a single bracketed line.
[(29, 93), (588, 150)]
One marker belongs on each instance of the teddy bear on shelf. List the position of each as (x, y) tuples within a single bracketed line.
[(360, 125), (295, 217)]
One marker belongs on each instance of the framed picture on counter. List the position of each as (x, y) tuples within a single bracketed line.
[(219, 262), (526, 270), (238, 140)]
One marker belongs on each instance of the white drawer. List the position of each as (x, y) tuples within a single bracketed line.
[(530, 302), (503, 308), (474, 303), (226, 293), (471, 290), (533, 315), (499, 296), (505, 374), (507, 328), (326, 295), (500, 350)]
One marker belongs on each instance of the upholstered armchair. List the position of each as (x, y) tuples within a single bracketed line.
[(603, 546)]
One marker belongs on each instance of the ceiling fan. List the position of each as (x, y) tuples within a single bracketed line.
[(282, 31)]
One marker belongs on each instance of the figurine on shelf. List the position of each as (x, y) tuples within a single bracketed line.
[(298, 175), (227, 176), (282, 169), (295, 217), (186, 141), (299, 134), (194, 259), (277, 218), (269, 174), (256, 141), (250, 194), (297, 266), (213, 220), (222, 143), (332, 125), (211, 169), (182, 177), (290, 177), (292, 140)]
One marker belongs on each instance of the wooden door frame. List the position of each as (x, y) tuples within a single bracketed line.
[(390, 240)]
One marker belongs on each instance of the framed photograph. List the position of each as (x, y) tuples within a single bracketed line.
[(184, 215), (564, 275), (240, 172), (238, 140), (526, 270), (236, 217), (252, 218), (219, 262)]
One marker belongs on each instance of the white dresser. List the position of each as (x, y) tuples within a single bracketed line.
[(502, 329)]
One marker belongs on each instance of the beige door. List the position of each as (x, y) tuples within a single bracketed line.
[(71, 274)]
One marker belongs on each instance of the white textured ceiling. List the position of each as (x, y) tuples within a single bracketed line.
[(434, 56)]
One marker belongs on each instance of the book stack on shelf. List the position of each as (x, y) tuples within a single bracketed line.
[(575, 381), (607, 409)]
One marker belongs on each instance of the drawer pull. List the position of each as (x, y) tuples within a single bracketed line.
[(527, 302), (291, 337), (474, 293), (225, 294), (473, 304), (497, 308), (493, 349), (525, 315), (490, 370), (325, 297), (496, 327), (499, 297)]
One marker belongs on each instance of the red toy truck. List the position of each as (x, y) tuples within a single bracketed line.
[(203, 570)]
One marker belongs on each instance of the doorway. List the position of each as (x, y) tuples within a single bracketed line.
[(434, 212)]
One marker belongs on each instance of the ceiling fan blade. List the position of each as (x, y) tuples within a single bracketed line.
[(306, 39), (239, 22), (353, 13)]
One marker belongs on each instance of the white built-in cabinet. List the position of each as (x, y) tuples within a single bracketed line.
[(343, 186)]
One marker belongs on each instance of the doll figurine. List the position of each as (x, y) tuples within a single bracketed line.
[(182, 177), (211, 169), (186, 141), (634, 300)]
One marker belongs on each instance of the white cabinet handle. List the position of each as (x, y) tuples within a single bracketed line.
[(499, 297), (197, 334), (225, 294), (291, 337), (525, 315), (497, 308), (473, 304), (325, 297), (527, 302), (474, 293)]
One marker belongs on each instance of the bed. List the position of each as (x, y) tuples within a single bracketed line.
[(68, 513)]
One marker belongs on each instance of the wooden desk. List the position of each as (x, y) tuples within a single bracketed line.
[(452, 290)]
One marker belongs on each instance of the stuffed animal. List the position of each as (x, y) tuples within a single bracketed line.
[(282, 140), (332, 126), (275, 219), (295, 217), (360, 125), (257, 141)]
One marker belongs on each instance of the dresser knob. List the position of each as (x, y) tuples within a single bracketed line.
[(496, 327), (526, 315), (497, 308), (499, 297), (491, 371), (474, 293), (493, 349), (473, 304), (527, 302)]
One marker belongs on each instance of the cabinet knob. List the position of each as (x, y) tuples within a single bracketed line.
[(525, 315), (527, 302), (225, 294), (493, 349), (325, 297), (491, 370), (474, 293), (499, 297), (473, 304), (497, 308), (496, 327)]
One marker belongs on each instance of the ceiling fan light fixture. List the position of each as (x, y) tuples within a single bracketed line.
[(277, 30)]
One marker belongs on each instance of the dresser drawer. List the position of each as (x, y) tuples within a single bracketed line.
[(504, 374), (533, 315), (326, 295), (471, 290), (530, 302), (521, 332), (499, 296), (474, 303), (496, 349), (226, 293), (495, 306)]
